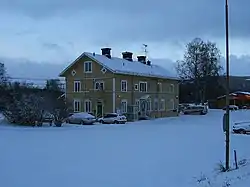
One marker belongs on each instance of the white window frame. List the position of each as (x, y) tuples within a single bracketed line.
[(162, 106), (124, 83), (99, 82), (159, 84), (78, 108), (137, 103), (124, 110), (146, 86), (136, 86), (171, 88), (149, 105), (156, 101), (77, 88), (89, 107), (172, 104), (89, 68)]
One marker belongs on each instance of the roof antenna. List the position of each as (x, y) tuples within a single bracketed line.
[(145, 49)]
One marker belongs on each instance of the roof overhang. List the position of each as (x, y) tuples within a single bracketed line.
[(62, 74)]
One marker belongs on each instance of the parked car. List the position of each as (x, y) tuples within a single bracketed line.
[(231, 107), (196, 109), (83, 118), (48, 118), (113, 118), (242, 127)]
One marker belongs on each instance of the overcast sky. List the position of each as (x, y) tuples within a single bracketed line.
[(57, 31)]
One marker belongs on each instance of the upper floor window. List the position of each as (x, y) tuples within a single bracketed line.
[(171, 89), (77, 86), (124, 85), (159, 87), (99, 85), (136, 86), (88, 67), (143, 86)]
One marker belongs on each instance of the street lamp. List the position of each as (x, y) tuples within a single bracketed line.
[(227, 123)]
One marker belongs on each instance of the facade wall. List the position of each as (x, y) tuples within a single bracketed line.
[(112, 97), (87, 93)]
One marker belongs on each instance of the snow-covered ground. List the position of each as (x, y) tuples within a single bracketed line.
[(174, 152)]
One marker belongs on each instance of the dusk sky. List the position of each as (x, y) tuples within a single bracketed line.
[(57, 31)]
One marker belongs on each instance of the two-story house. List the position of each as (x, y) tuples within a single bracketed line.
[(101, 83)]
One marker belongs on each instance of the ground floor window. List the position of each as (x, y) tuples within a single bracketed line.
[(149, 105), (162, 105), (137, 103), (87, 106), (124, 106), (156, 107), (77, 105), (172, 104)]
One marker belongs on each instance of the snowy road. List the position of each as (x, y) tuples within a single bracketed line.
[(164, 152)]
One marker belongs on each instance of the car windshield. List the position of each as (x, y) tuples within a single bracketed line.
[(110, 115)]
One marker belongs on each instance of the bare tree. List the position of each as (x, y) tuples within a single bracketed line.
[(200, 62), (53, 84)]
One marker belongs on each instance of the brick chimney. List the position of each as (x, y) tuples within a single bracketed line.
[(141, 59), (106, 52), (127, 55)]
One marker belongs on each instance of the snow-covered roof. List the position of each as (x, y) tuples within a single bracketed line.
[(122, 66), (244, 93), (235, 94)]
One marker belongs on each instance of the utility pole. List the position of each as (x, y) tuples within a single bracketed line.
[(227, 89)]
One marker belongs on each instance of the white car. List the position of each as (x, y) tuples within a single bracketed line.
[(232, 107), (242, 127), (113, 118), (196, 109), (83, 118)]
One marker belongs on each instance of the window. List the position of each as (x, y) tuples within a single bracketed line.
[(87, 106), (171, 89), (156, 105), (159, 87), (77, 105), (136, 86), (149, 105), (124, 85), (162, 105), (73, 72), (99, 85), (88, 67), (103, 70), (143, 86), (124, 105), (110, 115), (137, 103), (172, 104), (77, 86)]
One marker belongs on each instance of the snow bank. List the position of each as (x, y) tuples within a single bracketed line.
[(233, 178), (155, 153)]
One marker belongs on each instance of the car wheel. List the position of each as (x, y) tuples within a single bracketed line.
[(242, 131), (102, 121), (116, 122), (82, 123)]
